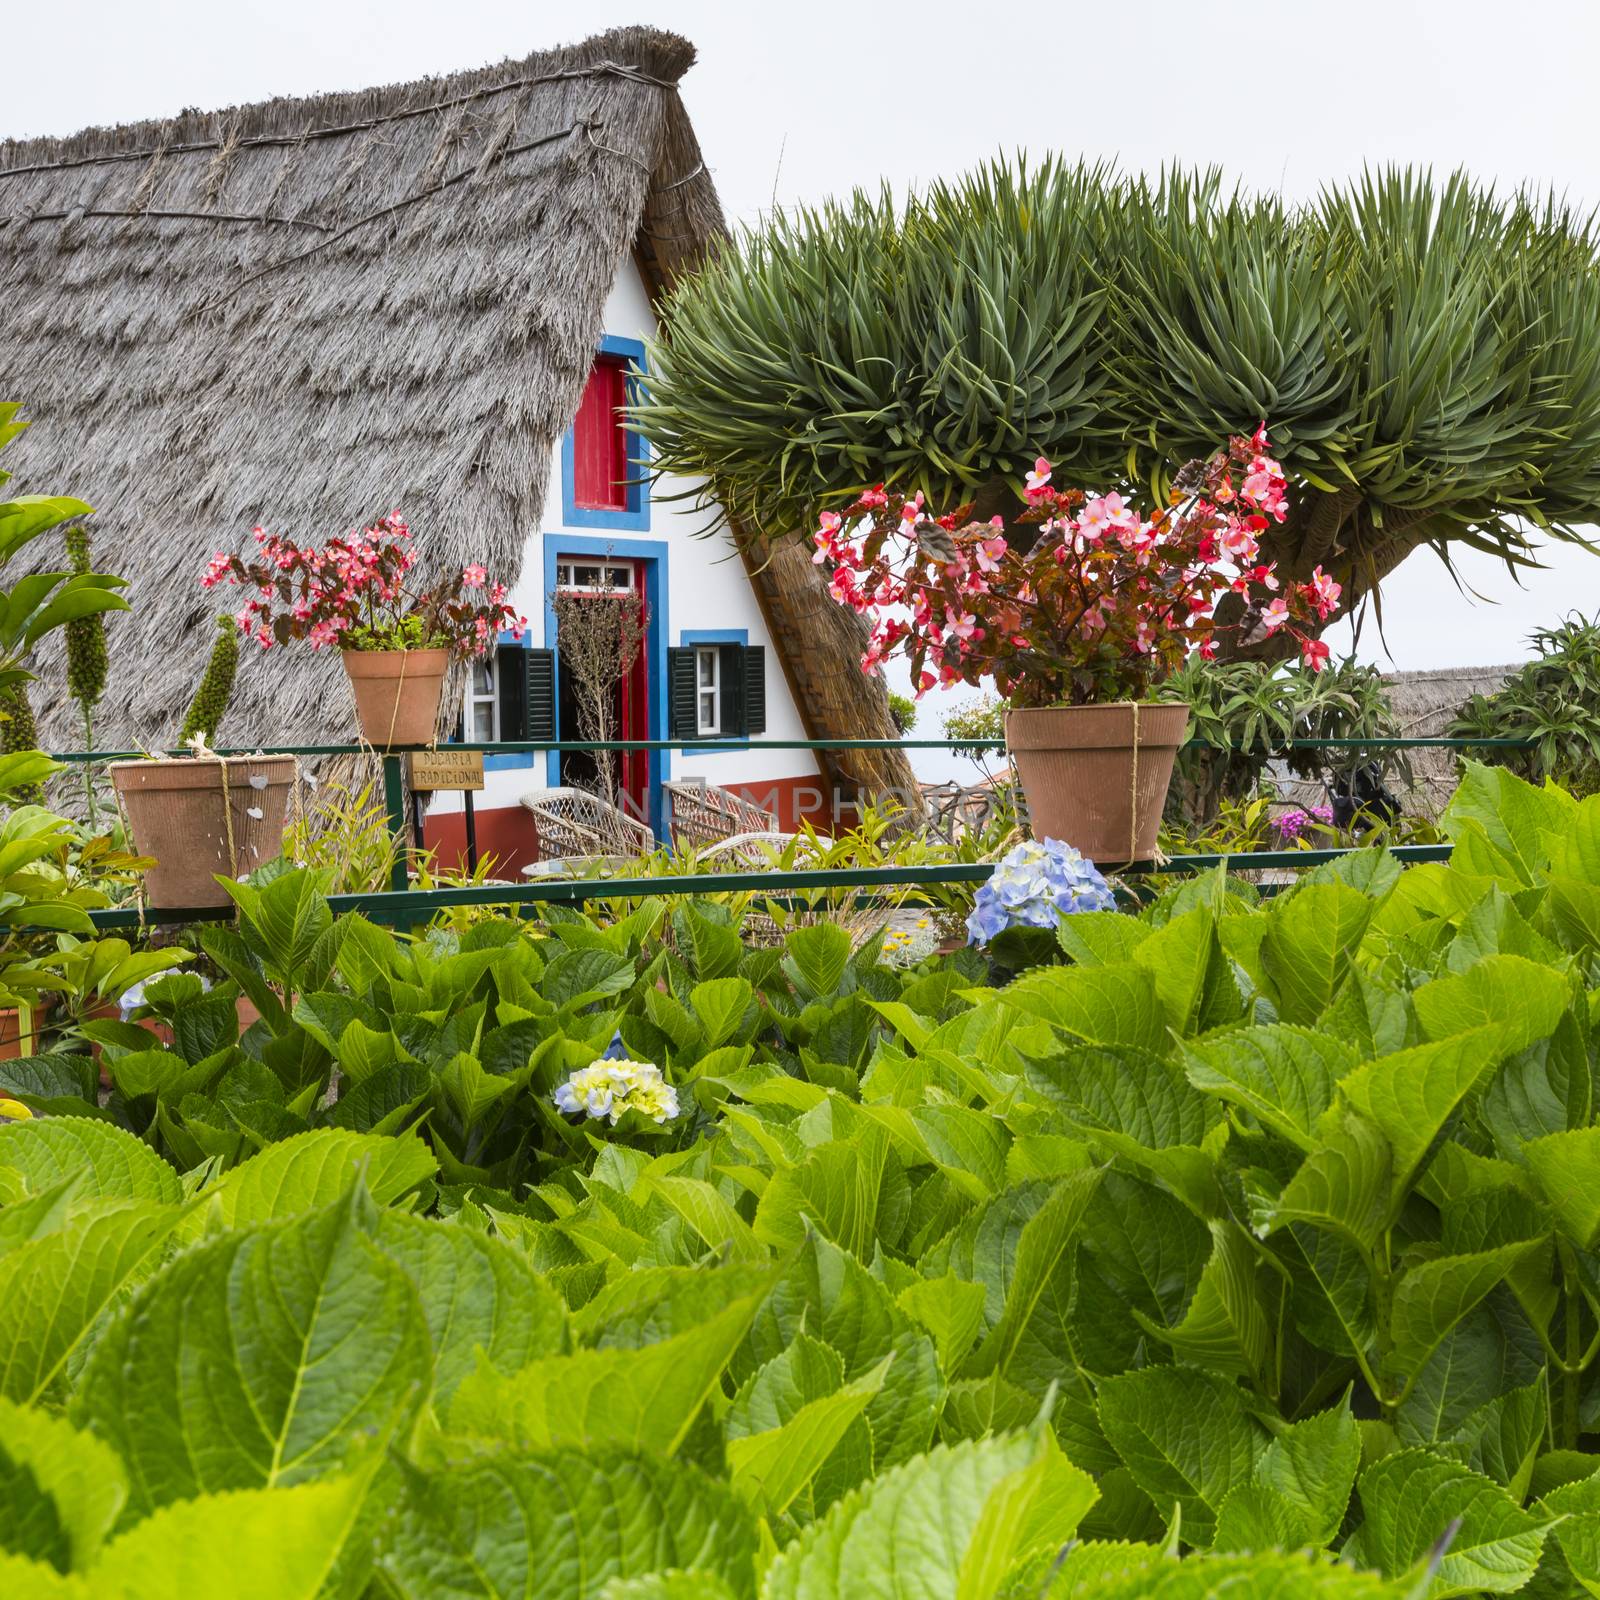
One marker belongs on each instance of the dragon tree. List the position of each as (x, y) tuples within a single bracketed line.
[(1426, 355)]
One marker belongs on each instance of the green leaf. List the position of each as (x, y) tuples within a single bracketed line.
[(1567, 1169), (107, 1162), (1311, 1468), (951, 1310), (565, 1522), (259, 1359), (816, 959), (1410, 1095), (61, 1489), (1310, 939), (1503, 1438), (313, 1169), (829, 1295), (768, 1469), (54, 1289), (1344, 1183), (1186, 1437), (1194, 981), (265, 1544), (1432, 1298), (712, 1218), (1523, 999), (642, 1399), (948, 1525), (720, 1005), (1517, 820), (1040, 1276), (1108, 1005), (478, 1293), (1224, 1327), (1283, 1076), (1412, 1497)]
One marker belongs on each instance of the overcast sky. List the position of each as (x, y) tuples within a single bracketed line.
[(800, 101)]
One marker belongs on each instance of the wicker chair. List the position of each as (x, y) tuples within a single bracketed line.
[(573, 822), (754, 849), (699, 815)]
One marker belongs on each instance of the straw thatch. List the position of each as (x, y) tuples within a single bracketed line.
[(1425, 704), (309, 311)]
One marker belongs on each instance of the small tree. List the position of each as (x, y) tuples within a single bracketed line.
[(600, 634), (1428, 356)]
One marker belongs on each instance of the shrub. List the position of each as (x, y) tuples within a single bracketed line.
[(1248, 1248), (1555, 700)]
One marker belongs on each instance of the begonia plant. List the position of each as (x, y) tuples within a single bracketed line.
[(356, 592), (1102, 602)]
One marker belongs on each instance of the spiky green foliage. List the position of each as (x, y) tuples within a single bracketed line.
[(19, 732), (210, 703), (87, 661), (1554, 699), (1428, 356)]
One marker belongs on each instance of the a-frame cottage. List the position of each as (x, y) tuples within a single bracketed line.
[(432, 297)]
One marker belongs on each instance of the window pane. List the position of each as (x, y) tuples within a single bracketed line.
[(708, 668), (483, 675), (483, 721)]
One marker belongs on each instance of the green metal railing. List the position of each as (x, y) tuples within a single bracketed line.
[(403, 906)]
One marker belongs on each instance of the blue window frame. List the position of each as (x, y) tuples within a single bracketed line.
[(635, 515), (653, 552)]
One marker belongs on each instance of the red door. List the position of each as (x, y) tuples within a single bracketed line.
[(634, 722)]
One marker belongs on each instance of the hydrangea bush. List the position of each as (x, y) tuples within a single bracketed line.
[(1034, 886), (1087, 598)]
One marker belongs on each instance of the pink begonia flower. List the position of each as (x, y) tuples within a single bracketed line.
[(474, 577), (963, 625), (1116, 509), (987, 553), (1325, 592), (1094, 521), (1314, 653), (1240, 543), (1036, 484), (925, 681), (1275, 615)]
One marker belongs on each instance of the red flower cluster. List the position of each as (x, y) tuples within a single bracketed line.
[(354, 593), (1101, 604)]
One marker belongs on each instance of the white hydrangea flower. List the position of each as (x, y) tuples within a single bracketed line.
[(610, 1088)]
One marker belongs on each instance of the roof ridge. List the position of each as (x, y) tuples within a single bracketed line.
[(616, 69)]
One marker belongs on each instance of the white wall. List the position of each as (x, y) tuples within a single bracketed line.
[(706, 588)]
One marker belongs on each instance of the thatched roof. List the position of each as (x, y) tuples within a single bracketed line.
[(309, 311)]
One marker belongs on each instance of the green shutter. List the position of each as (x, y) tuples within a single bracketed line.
[(730, 667), (755, 690), (539, 703), (680, 693), (511, 675)]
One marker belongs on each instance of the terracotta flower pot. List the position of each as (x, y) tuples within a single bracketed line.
[(19, 1033), (1097, 776), (397, 694), (177, 813)]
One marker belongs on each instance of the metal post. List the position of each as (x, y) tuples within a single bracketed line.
[(472, 832), (394, 800)]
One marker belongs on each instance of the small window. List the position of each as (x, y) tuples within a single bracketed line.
[(708, 689), (483, 701), (594, 577), (600, 466)]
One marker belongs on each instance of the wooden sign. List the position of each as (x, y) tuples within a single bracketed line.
[(445, 769)]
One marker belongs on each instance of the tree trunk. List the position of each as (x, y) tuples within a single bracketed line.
[(819, 644)]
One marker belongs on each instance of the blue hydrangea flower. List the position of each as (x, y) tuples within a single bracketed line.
[(1034, 886)]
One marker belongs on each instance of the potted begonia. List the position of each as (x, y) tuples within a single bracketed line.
[(357, 593), (1079, 624)]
